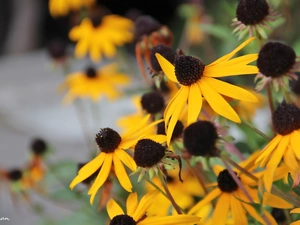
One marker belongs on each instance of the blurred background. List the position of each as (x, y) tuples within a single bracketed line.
[(30, 105)]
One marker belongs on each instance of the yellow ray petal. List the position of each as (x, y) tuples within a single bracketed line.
[(253, 213), (222, 209), (102, 176), (238, 213), (144, 205), (217, 169), (171, 220), (290, 159), (275, 201), (295, 143), (194, 103), (230, 71), (207, 199), (126, 159), (144, 130), (131, 203), (242, 60), (113, 209), (270, 218), (121, 174), (231, 90), (217, 102), (180, 103), (296, 210), (231, 54), (295, 223), (136, 127), (88, 169), (274, 161), (167, 67), (267, 151)]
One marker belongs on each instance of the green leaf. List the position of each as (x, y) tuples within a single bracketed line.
[(218, 31)]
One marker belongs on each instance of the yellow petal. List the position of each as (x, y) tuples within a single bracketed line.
[(171, 220), (267, 151), (238, 213), (295, 143), (222, 209), (231, 90), (194, 103), (126, 159), (253, 213), (207, 199), (217, 102), (295, 223), (242, 60), (131, 203), (290, 159), (144, 205), (102, 176), (296, 210), (275, 201), (229, 71), (217, 169), (113, 209), (274, 161), (160, 138), (88, 169), (167, 67), (136, 127), (270, 218), (121, 174)]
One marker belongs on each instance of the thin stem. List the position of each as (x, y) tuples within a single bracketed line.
[(289, 198), (262, 134), (197, 175), (156, 187), (270, 97), (170, 197)]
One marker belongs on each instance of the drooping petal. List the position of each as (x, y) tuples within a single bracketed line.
[(194, 103), (238, 213), (217, 102), (231, 90), (167, 67), (171, 220), (144, 205), (88, 169), (207, 199), (102, 176), (274, 161), (295, 143), (121, 174), (275, 201), (113, 209), (222, 209), (253, 213), (131, 203), (290, 159), (126, 159)]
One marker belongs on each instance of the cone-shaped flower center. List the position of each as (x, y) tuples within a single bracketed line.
[(251, 12), (108, 140), (153, 102), (188, 69), (148, 153), (91, 72), (286, 118), (176, 132), (200, 138), (167, 52), (14, 175), (38, 146), (225, 182), (275, 59), (122, 220)]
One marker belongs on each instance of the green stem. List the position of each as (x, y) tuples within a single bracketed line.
[(197, 175), (262, 134), (155, 186)]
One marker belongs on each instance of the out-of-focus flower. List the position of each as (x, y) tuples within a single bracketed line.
[(94, 84), (63, 7), (101, 37), (296, 210), (196, 79)]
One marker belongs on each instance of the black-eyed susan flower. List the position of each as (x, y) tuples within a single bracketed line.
[(196, 79), (152, 102), (296, 210), (252, 16), (102, 38), (94, 84), (136, 213), (286, 123), (112, 147), (63, 7), (232, 199), (276, 62)]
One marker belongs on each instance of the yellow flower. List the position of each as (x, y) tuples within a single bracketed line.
[(136, 213), (94, 84), (112, 31), (286, 123), (231, 198), (296, 210), (112, 147), (63, 7), (196, 80)]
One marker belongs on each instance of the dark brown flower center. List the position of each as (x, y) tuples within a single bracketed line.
[(200, 138), (14, 175), (38, 146), (167, 52), (122, 220), (153, 102), (251, 12), (188, 69), (177, 132), (91, 72), (286, 118), (148, 153), (225, 182), (275, 59), (108, 140), (145, 25)]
